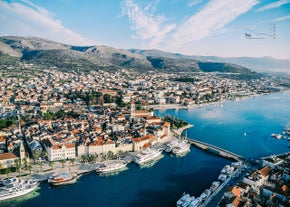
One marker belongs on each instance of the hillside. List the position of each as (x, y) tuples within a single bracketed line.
[(67, 57), (261, 64)]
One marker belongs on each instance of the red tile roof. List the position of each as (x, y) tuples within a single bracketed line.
[(6, 156)]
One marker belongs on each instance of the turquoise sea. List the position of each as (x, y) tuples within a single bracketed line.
[(243, 127)]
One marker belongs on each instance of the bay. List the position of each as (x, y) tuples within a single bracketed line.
[(164, 182)]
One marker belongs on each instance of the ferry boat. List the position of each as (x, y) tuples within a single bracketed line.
[(16, 187), (181, 148), (147, 155), (111, 167), (63, 179)]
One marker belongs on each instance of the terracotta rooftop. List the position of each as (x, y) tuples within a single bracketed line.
[(6, 156), (265, 171)]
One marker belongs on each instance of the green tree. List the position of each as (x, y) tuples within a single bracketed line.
[(7, 171), (51, 164), (35, 155), (60, 114), (17, 166), (110, 154), (30, 168), (72, 162), (62, 163), (44, 154), (25, 162)]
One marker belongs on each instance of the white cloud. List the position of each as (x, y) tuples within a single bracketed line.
[(192, 3), (146, 25), (208, 21), (273, 5), (282, 18), (24, 18)]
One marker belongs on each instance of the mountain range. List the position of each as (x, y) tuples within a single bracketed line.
[(48, 53)]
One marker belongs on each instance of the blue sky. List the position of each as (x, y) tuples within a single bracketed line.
[(193, 27)]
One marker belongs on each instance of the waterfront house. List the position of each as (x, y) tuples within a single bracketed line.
[(59, 151), (7, 159)]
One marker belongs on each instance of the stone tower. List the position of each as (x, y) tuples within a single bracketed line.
[(132, 110)]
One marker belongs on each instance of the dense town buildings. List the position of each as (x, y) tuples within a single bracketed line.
[(67, 115)]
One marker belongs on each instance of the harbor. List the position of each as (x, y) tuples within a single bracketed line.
[(163, 183)]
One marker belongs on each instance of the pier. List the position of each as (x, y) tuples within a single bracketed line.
[(213, 149)]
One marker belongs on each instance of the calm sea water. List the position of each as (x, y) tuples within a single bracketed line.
[(164, 182)]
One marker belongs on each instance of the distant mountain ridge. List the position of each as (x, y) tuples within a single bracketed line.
[(258, 64), (49, 53)]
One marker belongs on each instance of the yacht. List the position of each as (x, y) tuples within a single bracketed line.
[(111, 167), (214, 185), (169, 146), (182, 199), (181, 148), (63, 179), (16, 187), (196, 202), (147, 155)]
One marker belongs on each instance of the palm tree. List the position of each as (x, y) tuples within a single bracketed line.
[(110, 154), (29, 167), (7, 171), (72, 162), (17, 166), (25, 162), (35, 155), (62, 163), (51, 164), (44, 154)]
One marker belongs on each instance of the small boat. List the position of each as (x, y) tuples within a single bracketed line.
[(63, 179), (111, 167), (214, 185), (16, 187), (183, 198), (196, 202), (277, 136)]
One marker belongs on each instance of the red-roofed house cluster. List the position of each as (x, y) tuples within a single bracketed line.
[(267, 186)]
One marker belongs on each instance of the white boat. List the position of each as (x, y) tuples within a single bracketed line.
[(111, 167), (196, 202), (63, 179), (147, 155), (205, 194), (171, 145), (16, 187), (222, 177), (214, 185), (182, 199), (181, 148)]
